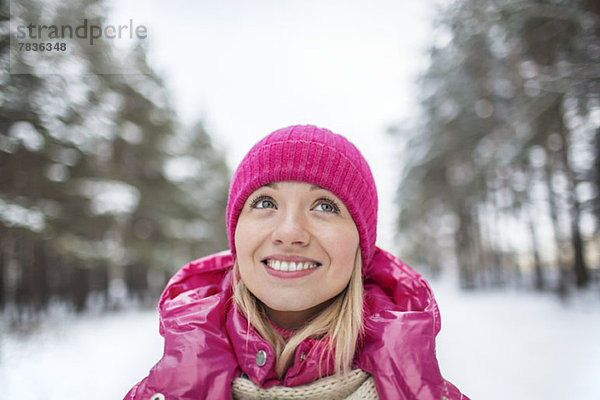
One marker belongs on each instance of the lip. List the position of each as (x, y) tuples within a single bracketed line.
[(289, 258)]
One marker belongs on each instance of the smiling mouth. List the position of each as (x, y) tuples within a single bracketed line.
[(290, 266)]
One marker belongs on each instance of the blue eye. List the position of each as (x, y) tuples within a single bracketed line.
[(265, 204), (262, 202), (327, 206)]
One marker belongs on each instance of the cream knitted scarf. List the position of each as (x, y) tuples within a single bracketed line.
[(356, 385)]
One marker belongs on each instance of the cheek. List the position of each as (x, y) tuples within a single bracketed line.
[(243, 247), (243, 239), (248, 240), (342, 247)]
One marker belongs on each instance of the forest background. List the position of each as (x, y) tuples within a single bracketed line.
[(105, 189)]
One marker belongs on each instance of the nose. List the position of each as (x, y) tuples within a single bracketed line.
[(290, 230)]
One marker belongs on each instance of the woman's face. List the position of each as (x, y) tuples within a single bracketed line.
[(296, 244)]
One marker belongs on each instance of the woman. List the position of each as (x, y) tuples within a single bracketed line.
[(304, 305)]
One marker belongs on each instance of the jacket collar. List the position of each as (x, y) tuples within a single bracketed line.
[(252, 350)]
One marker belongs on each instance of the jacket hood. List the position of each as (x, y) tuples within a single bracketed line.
[(208, 342)]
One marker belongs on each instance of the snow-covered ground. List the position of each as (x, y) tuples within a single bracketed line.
[(493, 345), (513, 345), (76, 358)]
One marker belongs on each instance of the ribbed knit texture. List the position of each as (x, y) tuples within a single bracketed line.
[(357, 385), (306, 153)]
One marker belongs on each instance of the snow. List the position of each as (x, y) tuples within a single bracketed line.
[(493, 345), (110, 197), (515, 345), (26, 133), (16, 215), (90, 357)]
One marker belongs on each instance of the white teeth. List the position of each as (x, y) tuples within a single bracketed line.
[(290, 266)]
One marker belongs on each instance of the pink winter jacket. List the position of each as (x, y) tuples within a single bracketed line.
[(208, 344)]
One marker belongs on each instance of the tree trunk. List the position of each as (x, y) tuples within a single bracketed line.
[(463, 252), (582, 275), (563, 282), (539, 276), (4, 254)]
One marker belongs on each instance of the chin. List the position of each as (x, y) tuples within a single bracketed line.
[(289, 307)]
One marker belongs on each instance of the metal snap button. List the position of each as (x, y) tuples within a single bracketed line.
[(261, 358), (157, 396)]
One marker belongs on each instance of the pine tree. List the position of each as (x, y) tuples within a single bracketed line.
[(87, 206), (508, 103)]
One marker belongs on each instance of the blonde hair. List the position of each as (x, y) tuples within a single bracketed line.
[(340, 322)]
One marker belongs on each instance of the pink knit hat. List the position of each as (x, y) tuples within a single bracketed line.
[(314, 155)]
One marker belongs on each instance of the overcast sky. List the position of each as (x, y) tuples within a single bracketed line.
[(246, 68)]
